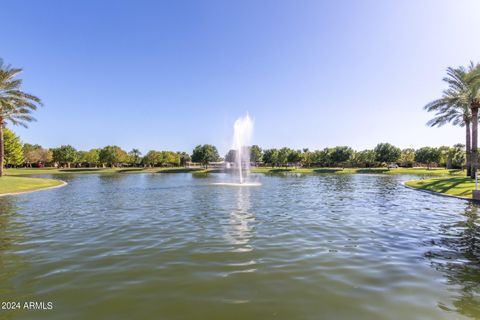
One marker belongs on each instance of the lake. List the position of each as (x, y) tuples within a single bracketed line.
[(177, 246)]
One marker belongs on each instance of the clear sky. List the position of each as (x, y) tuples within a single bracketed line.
[(169, 75)]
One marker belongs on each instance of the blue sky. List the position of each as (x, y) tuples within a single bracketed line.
[(169, 75)]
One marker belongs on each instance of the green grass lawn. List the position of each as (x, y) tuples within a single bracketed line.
[(22, 184), (455, 186)]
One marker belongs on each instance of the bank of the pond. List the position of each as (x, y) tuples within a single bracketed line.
[(460, 187), (17, 185), (413, 171), (383, 170)]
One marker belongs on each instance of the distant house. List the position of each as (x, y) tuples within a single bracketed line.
[(217, 164)]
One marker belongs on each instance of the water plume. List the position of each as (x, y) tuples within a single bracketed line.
[(242, 136)]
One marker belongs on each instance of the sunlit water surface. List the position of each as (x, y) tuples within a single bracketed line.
[(176, 246)]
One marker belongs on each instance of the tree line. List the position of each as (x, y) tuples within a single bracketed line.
[(384, 154), (34, 155)]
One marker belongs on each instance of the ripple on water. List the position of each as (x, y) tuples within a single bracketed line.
[(297, 247)]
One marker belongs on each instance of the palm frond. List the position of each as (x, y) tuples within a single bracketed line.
[(454, 105), (15, 105)]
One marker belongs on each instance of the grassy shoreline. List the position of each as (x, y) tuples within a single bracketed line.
[(460, 187), (10, 185)]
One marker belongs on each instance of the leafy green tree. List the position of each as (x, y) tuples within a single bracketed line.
[(81, 157), (445, 157), (65, 155), (295, 157), (231, 155), (16, 106), (204, 154), (170, 158), (307, 157), (135, 156), (282, 158), (256, 154), (42, 156), (270, 156), (407, 157), (449, 156), (340, 155), (322, 157), (162, 159), (365, 158), (29, 147), (385, 152), (184, 158), (457, 155), (112, 156), (152, 158), (31, 154), (13, 148), (92, 157), (427, 155), (47, 156)]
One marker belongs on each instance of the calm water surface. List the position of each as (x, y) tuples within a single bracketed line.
[(173, 246)]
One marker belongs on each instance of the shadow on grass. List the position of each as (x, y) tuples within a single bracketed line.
[(179, 170), (73, 170), (130, 170), (372, 170), (435, 171), (455, 171), (327, 170), (445, 185), (279, 170)]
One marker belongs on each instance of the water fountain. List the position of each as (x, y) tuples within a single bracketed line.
[(242, 136)]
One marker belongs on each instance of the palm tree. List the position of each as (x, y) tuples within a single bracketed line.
[(15, 105), (454, 107), (472, 79)]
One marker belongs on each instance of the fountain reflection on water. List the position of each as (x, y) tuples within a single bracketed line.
[(239, 229)]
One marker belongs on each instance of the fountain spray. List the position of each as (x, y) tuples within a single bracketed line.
[(242, 135)]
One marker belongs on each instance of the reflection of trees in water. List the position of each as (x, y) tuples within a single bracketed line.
[(459, 258), (340, 183), (10, 263), (384, 190), (108, 178)]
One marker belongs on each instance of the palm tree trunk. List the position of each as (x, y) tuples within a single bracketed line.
[(474, 155), (467, 147), (2, 153)]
